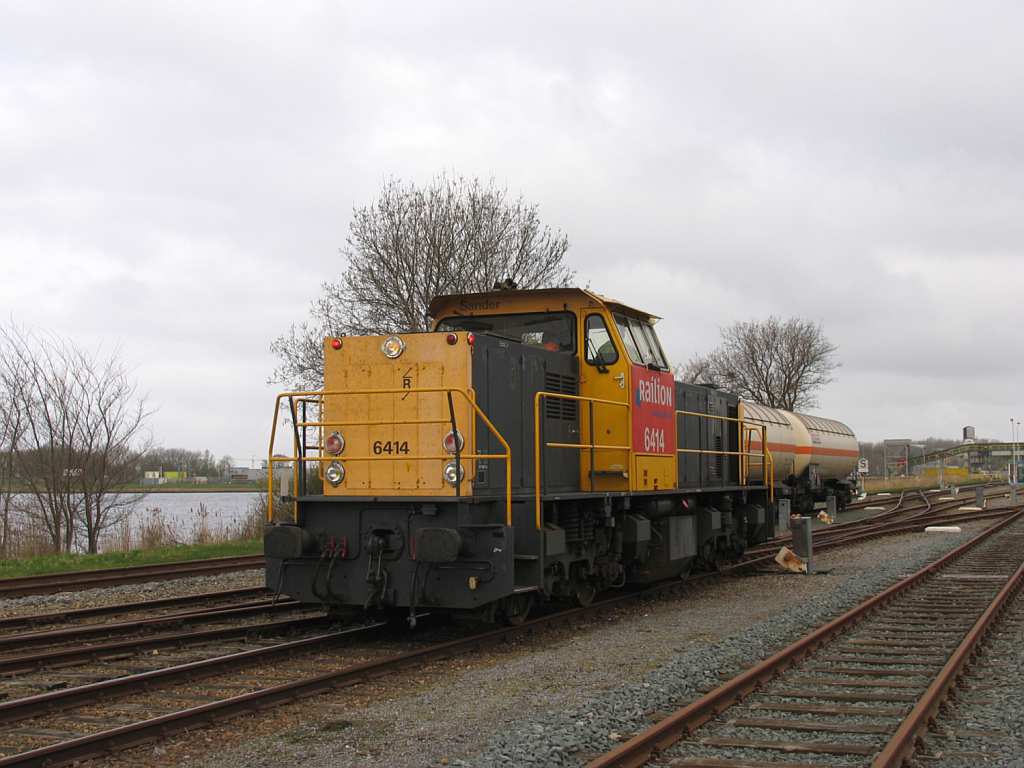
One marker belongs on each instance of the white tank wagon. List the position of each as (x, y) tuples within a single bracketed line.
[(834, 448), (813, 457)]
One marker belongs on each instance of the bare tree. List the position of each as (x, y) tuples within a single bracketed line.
[(11, 429), (780, 363), (41, 381), (454, 235), (224, 466), (110, 443), (697, 370), (80, 433)]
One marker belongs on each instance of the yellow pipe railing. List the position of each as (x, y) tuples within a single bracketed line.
[(745, 430), (538, 508), (297, 459)]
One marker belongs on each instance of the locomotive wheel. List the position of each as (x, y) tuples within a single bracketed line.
[(584, 592), (345, 614), (514, 609), (709, 554)]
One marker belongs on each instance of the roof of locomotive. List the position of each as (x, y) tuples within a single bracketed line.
[(489, 301)]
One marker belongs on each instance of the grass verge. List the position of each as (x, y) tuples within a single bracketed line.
[(43, 564)]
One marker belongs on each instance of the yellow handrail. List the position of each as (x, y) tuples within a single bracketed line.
[(591, 445), (296, 459), (745, 429)]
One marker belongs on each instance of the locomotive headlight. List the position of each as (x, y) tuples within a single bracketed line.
[(392, 347), (335, 473), (335, 443), (453, 473), (453, 442)]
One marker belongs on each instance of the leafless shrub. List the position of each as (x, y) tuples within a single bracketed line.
[(250, 526), (202, 531), (26, 536), (156, 531), (454, 235), (118, 538), (779, 363)]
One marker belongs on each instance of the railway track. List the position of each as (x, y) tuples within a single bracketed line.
[(876, 499), (123, 611), (108, 577), (912, 509), (78, 580), (36, 661), (33, 650), (860, 689), (94, 716)]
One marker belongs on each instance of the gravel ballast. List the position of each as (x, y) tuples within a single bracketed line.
[(562, 696), (984, 725)]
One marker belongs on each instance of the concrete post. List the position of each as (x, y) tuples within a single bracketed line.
[(802, 546), (830, 506), (979, 497), (782, 521)]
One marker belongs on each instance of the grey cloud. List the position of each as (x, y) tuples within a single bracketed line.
[(177, 177)]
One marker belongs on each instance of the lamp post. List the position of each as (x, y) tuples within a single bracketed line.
[(1011, 475), (919, 445), (1014, 465)]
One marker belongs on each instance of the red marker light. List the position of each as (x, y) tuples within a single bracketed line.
[(336, 343), (470, 338), (451, 338)]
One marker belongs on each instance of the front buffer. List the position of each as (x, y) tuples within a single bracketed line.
[(392, 554)]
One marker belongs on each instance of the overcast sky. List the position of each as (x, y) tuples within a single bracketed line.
[(177, 178)]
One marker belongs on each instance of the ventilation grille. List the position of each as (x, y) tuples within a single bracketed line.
[(715, 465), (556, 407)]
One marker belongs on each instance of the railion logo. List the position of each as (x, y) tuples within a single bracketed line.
[(653, 391)]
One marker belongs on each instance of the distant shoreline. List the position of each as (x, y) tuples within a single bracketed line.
[(193, 489), (180, 489)]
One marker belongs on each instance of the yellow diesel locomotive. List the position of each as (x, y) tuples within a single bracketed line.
[(534, 445)]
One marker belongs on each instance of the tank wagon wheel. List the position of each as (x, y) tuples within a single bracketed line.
[(514, 609)]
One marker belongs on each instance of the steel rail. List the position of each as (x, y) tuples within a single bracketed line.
[(64, 656), (11, 622), (639, 749), (880, 522), (857, 536), (902, 744), (913, 524), (15, 710), (147, 730), (135, 733), (77, 580), (92, 630)]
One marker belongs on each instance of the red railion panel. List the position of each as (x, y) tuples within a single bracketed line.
[(654, 411)]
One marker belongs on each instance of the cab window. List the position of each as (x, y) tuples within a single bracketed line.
[(600, 347), (627, 339), (655, 346), (554, 331), (641, 342)]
